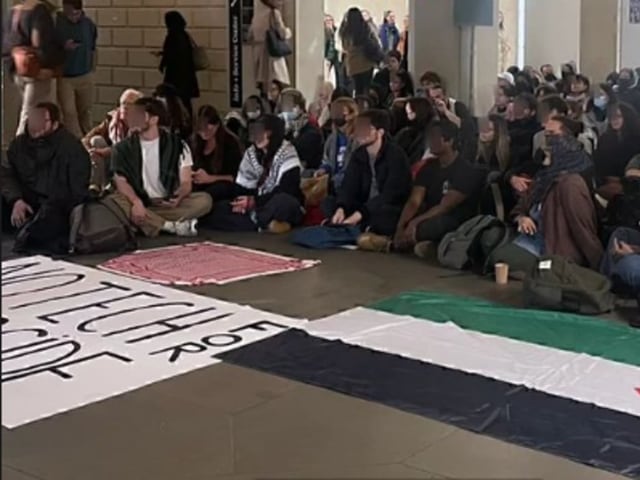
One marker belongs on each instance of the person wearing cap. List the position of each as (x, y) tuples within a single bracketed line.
[(506, 79), (268, 196), (304, 135)]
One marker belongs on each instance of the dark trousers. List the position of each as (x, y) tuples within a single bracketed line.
[(362, 82), (282, 207), (219, 191), (623, 271), (382, 220), (434, 229), (187, 102)]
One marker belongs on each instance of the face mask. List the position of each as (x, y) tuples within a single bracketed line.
[(339, 122), (253, 115), (411, 117), (601, 102), (631, 186), (288, 117)]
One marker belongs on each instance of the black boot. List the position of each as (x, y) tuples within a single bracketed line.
[(635, 321)]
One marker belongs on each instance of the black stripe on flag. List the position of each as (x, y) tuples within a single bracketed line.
[(585, 433)]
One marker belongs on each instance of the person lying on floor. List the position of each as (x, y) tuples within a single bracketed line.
[(341, 143), (43, 176), (377, 181), (303, 133), (217, 154), (268, 194), (444, 195), (152, 173), (557, 215)]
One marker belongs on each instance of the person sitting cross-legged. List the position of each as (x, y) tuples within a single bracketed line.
[(152, 172), (377, 180), (43, 176), (444, 195), (267, 189)]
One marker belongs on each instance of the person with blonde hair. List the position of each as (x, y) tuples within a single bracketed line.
[(319, 108), (493, 144)]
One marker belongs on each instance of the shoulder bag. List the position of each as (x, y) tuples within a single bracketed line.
[(277, 46)]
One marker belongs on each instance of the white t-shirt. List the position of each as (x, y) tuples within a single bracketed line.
[(151, 167)]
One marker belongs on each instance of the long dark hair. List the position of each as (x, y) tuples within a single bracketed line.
[(354, 29), (174, 21), (425, 113), (631, 121), (276, 127), (407, 83), (179, 120), (208, 115)]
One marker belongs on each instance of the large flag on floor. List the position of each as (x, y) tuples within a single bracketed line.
[(565, 384)]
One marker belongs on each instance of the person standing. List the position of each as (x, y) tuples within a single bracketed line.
[(29, 30), (389, 33), (177, 63), (75, 89), (331, 54), (268, 69), (361, 48)]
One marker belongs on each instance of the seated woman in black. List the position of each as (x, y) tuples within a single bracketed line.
[(400, 86), (413, 138), (616, 147), (383, 77), (216, 155), (268, 195), (238, 122), (179, 120)]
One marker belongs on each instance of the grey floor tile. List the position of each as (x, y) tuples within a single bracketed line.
[(467, 455)]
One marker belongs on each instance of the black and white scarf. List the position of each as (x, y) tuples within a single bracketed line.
[(251, 174)]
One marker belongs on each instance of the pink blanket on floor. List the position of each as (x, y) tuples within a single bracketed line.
[(202, 263)]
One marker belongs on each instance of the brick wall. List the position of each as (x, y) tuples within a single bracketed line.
[(129, 30)]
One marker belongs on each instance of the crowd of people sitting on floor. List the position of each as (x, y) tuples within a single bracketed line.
[(558, 159)]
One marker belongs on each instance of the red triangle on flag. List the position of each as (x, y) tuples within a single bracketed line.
[(638, 390)]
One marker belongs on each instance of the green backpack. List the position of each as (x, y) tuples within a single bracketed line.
[(557, 283)]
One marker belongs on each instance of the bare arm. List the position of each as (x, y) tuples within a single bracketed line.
[(450, 201), (411, 207), (184, 190)]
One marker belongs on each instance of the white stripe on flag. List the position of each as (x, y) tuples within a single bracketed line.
[(580, 377)]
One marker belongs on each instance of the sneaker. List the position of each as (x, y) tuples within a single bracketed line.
[(424, 250), (370, 242), (186, 228), (279, 228)]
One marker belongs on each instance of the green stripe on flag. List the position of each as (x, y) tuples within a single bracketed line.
[(575, 333)]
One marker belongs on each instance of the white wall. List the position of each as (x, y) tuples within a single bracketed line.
[(337, 8), (552, 32), (629, 39)]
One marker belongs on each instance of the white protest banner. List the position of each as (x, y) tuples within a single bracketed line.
[(72, 335)]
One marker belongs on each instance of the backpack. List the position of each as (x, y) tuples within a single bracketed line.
[(472, 244), (559, 284), (100, 226)]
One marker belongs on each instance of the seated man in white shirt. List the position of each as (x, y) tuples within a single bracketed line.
[(152, 174)]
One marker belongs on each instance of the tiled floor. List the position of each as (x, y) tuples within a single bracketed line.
[(231, 423)]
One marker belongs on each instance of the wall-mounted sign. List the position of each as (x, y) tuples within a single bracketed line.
[(634, 11), (235, 53)]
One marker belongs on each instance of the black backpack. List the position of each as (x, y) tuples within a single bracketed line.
[(472, 244), (100, 226), (559, 284)]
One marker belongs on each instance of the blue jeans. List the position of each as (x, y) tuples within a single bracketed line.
[(623, 270)]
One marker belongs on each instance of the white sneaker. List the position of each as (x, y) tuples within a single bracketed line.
[(186, 228)]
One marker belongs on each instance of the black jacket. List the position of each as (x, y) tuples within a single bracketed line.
[(413, 140), (54, 169), (392, 173), (521, 133), (309, 144)]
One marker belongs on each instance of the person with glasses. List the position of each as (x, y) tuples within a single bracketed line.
[(44, 175)]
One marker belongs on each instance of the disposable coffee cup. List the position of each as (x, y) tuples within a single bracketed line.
[(502, 273)]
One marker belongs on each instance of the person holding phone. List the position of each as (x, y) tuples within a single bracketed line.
[(79, 35)]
